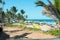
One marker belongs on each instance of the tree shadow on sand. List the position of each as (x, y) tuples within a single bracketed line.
[(22, 36), (13, 31), (3, 35)]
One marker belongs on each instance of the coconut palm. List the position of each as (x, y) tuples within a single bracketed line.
[(13, 11), (21, 16), (3, 3), (50, 9), (0, 1), (57, 4), (2, 14), (9, 15), (22, 11)]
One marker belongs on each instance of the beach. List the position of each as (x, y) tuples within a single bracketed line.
[(18, 32)]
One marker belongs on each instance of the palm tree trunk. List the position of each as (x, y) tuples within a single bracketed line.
[(8, 20)]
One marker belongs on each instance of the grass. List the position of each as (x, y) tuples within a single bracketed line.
[(54, 32), (10, 25), (31, 29), (21, 26)]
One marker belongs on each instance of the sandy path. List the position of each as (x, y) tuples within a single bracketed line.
[(29, 34)]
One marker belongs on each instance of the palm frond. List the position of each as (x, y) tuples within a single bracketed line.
[(0, 1), (40, 3), (54, 10)]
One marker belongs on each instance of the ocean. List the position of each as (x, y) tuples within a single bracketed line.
[(47, 21)]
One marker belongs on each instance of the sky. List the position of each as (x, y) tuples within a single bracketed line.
[(28, 6)]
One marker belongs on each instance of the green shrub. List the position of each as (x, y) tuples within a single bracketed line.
[(54, 32)]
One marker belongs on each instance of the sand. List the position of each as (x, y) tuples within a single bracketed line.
[(14, 32)]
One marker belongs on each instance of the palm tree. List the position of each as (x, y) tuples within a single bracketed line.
[(0, 1), (21, 16), (22, 11), (3, 3), (8, 15), (13, 10), (50, 9), (2, 14), (57, 4)]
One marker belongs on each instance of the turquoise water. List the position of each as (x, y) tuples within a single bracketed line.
[(41, 20)]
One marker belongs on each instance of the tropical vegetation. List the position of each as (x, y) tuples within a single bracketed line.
[(51, 10), (11, 14)]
